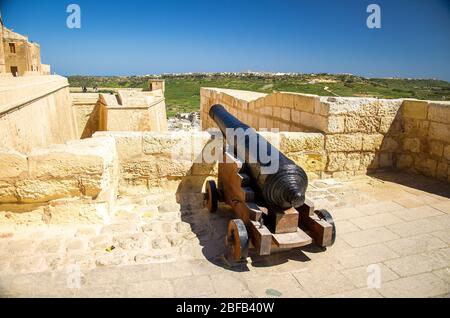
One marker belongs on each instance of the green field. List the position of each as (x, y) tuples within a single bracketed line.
[(183, 92)]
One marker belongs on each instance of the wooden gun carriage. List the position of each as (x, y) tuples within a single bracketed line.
[(259, 223)]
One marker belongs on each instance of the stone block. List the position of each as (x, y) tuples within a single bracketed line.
[(314, 121), (7, 192), (170, 206), (389, 144), (389, 107), (309, 161), (306, 103), (414, 127), (336, 161), (12, 164), (436, 148), (295, 114), (87, 167), (322, 108), (439, 131), (286, 114), (368, 237), (423, 285), (387, 125), (405, 161), (352, 162), (426, 166), (345, 142), (386, 160), (439, 113), (369, 160), (343, 161), (336, 124), (298, 142), (128, 144), (288, 100), (415, 109), (357, 123), (447, 152), (372, 142), (412, 145)]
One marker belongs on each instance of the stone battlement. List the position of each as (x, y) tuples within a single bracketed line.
[(360, 134)]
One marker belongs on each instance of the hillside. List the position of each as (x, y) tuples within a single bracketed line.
[(182, 91)]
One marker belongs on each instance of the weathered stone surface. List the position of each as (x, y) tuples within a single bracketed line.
[(128, 144), (12, 164), (336, 124), (415, 109), (439, 131), (439, 112), (357, 123), (298, 142), (77, 244), (369, 160), (442, 170), (389, 107), (179, 144), (415, 127), (7, 192), (132, 241), (386, 160), (336, 161), (427, 166), (170, 206), (86, 167), (405, 161), (310, 161), (389, 144), (343, 142), (372, 142), (114, 258), (436, 148), (412, 145), (387, 125)]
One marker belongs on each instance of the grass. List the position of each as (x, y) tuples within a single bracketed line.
[(183, 92)]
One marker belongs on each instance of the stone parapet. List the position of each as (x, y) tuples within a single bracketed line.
[(84, 170), (360, 134)]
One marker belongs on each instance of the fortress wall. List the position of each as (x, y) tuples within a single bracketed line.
[(422, 138), (180, 159), (35, 111), (86, 112), (133, 111), (361, 134), (62, 183)]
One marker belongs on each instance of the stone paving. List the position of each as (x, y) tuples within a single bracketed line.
[(393, 240)]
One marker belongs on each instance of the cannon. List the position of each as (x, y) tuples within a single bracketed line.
[(266, 190)]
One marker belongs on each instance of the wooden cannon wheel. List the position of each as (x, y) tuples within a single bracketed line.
[(326, 216), (212, 196), (237, 240)]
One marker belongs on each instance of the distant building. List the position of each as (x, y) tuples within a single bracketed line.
[(155, 84), (18, 55)]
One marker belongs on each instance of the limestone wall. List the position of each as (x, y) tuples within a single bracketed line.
[(284, 111), (160, 159), (176, 160), (421, 139), (133, 111), (80, 175), (86, 112), (35, 111), (360, 134)]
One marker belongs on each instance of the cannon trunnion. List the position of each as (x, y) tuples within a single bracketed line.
[(272, 212)]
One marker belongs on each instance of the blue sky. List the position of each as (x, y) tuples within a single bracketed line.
[(153, 36)]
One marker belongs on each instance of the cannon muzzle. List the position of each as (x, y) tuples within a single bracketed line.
[(283, 187)]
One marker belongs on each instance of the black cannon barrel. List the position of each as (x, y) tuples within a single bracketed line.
[(283, 188)]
